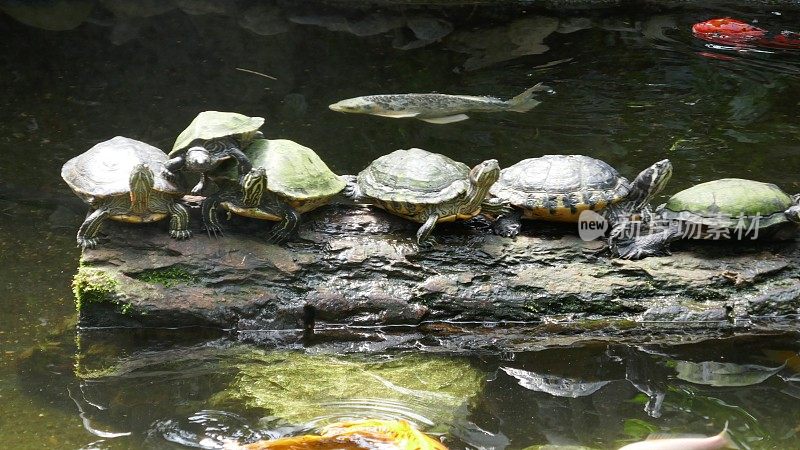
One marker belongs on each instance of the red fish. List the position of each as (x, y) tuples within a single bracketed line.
[(736, 33)]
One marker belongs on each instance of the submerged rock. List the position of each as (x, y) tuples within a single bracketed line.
[(52, 15), (298, 387), (510, 41)]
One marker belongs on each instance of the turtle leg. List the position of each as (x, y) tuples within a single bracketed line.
[(424, 238), (210, 219), (198, 188), (178, 221), (172, 167), (87, 233), (352, 190), (244, 162), (496, 207), (653, 244), (286, 228), (508, 225)]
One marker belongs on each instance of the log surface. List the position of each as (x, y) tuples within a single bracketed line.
[(355, 265)]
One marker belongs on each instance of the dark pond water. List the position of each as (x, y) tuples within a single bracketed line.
[(630, 87)]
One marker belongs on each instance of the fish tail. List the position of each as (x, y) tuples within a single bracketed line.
[(726, 438), (525, 101)]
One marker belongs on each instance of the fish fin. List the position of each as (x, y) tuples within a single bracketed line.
[(525, 101), (445, 119), (396, 115)]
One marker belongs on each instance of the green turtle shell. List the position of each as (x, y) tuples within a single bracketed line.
[(104, 170), (293, 171), (559, 187), (215, 124), (414, 176), (721, 203)]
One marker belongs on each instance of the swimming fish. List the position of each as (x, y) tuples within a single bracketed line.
[(655, 442), (436, 108), (364, 434), (733, 32)]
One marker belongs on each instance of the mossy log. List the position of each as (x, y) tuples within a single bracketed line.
[(354, 265)]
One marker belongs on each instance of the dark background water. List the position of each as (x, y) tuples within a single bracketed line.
[(632, 86)]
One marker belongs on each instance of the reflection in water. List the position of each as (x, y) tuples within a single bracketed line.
[(203, 395), (715, 373), (554, 385)]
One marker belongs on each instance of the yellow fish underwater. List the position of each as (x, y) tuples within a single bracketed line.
[(368, 434)]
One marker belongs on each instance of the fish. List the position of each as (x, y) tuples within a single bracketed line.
[(436, 108), (364, 434), (733, 32), (658, 442)]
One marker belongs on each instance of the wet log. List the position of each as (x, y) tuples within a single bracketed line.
[(353, 265)]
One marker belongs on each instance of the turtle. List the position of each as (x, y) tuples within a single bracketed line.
[(286, 179), (728, 208), (210, 139), (560, 187), (121, 179), (427, 188)]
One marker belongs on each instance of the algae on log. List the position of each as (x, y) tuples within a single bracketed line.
[(358, 266)]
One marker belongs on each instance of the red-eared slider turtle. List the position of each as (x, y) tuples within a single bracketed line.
[(121, 179), (211, 138), (427, 188), (729, 208), (560, 187), (287, 179)]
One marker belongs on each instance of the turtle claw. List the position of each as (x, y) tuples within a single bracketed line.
[(506, 227), (180, 234), (428, 243), (277, 236), (214, 230), (507, 230), (197, 189)]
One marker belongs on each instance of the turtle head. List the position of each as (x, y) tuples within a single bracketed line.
[(254, 184), (142, 178), (793, 214), (485, 173), (198, 159), (357, 105), (650, 182), (481, 178), (141, 183)]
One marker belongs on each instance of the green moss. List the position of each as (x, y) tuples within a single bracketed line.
[(167, 276), (93, 285), (299, 387)]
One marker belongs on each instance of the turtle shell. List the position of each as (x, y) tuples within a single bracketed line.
[(414, 176), (559, 187), (215, 124), (104, 170), (722, 203), (293, 171)]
